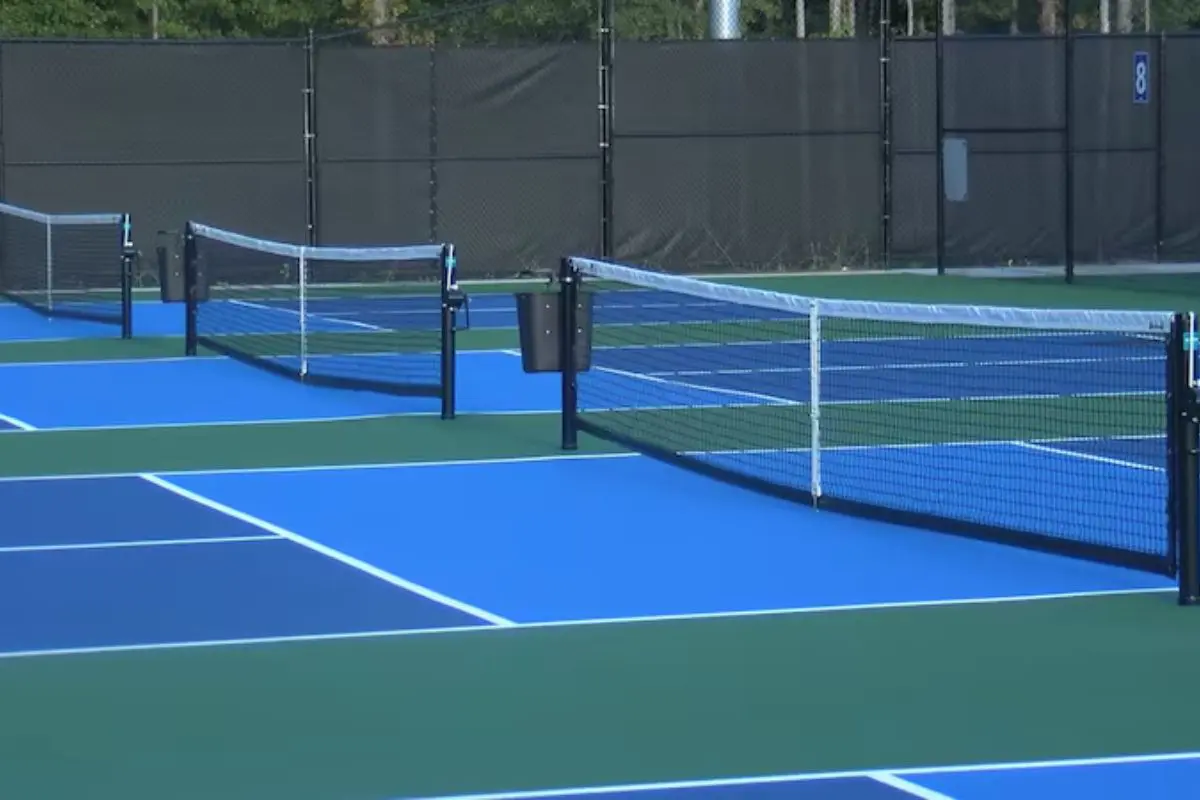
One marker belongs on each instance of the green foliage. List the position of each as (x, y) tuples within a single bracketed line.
[(175, 18), (510, 21)]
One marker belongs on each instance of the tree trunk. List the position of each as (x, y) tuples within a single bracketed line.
[(912, 12), (949, 17), (1124, 16), (841, 18), (1105, 23), (1014, 17), (1048, 21), (802, 19)]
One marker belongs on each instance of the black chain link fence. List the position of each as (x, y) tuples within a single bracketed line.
[(764, 153)]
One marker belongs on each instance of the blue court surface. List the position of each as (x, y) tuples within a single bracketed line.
[(239, 557), (109, 564), (149, 319)]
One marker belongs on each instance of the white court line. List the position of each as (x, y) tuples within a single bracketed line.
[(517, 627), (472, 462), (310, 544), (908, 787), (296, 313), (466, 462), (804, 777), (554, 412), (1113, 462), (205, 358), (233, 423), (922, 365), (50, 548)]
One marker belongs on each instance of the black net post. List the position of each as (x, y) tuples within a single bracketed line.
[(190, 292), (568, 302), (450, 303), (128, 259), (312, 235), (1068, 189), (1183, 450)]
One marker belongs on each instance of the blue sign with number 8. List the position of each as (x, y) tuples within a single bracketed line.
[(1141, 77)]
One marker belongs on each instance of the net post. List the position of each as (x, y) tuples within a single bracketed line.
[(128, 255), (190, 290), (814, 398), (303, 311), (449, 331), (1182, 453), (568, 302), (49, 265)]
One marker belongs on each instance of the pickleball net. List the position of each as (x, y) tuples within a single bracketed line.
[(1046, 429), (375, 318), (67, 265)]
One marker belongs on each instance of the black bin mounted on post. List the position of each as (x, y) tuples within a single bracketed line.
[(539, 319), (167, 252)]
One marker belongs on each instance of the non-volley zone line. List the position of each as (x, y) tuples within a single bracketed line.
[(894, 777), (517, 627)]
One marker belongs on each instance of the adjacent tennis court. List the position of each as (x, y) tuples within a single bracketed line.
[(231, 584)]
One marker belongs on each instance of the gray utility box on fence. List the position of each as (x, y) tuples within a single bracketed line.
[(539, 319)]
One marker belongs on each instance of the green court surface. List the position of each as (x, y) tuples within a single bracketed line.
[(555, 705), (595, 705)]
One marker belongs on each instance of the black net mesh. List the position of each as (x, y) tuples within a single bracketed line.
[(1040, 428), (67, 265), (358, 317)]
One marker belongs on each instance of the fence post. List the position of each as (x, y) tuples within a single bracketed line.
[(1068, 143), (2, 159), (433, 144), (885, 131), (605, 108), (1160, 163), (310, 140), (940, 133)]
